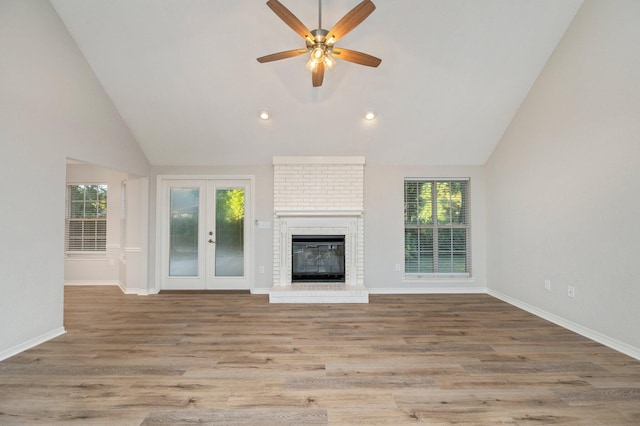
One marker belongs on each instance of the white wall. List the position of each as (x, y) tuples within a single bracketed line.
[(134, 261), (51, 108), (562, 185), (384, 230)]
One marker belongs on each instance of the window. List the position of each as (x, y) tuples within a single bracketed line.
[(436, 227), (86, 227)]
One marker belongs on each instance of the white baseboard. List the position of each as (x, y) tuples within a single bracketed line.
[(91, 282), (569, 325), (428, 290), (134, 290), (407, 290), (31, 343), (313, 294), (125, 290)]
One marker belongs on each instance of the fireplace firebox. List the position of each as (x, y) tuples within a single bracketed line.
[(317, 258)]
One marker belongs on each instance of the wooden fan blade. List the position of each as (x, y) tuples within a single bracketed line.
[(317, 75), (356, 57), (290, 19), (349, 21), (281, 55)]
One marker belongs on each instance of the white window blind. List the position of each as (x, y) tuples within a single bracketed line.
[(86, 218), (437, 227)]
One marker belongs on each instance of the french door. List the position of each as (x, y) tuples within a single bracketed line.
[(206, 242)]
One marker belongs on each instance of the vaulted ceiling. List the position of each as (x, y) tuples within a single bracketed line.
[(183, 75)]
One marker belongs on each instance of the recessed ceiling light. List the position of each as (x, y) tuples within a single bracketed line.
[(369, 115), (264, 114)]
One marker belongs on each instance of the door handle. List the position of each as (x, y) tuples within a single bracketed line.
[(211, 241)]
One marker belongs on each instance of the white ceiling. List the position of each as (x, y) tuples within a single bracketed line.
[(183, 74)]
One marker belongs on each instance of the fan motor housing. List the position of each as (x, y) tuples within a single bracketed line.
[(318, 35)]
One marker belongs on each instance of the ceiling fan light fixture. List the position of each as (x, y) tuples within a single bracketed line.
[(312, 64), (328, 60), (316, 56), (319, 43), (317, 53)]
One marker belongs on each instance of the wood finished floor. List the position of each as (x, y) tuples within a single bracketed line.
[(236, 359)]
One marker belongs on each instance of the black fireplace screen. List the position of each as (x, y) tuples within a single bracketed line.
[(317, 258)]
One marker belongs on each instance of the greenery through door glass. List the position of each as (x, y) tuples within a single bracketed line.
[(183, 232), (436, 226), (230, 205)]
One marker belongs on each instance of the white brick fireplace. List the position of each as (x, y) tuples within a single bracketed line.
[(318, 196)]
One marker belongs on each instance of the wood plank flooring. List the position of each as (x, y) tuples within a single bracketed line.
[(236, 359)]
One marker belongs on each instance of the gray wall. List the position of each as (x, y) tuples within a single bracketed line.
[(384, 229), (562, 185), (51, 108)]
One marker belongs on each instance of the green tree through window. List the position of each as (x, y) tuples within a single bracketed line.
[(436, 227), (86, 225)]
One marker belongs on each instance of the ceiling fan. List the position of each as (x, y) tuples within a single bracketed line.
[(320, 42)]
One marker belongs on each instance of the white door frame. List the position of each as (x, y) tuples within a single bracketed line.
[(162, 225)]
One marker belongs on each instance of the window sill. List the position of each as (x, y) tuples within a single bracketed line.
[(86, 256), (438, 278)]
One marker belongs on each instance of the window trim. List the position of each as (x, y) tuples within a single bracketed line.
[(422, 276), (84, 254)]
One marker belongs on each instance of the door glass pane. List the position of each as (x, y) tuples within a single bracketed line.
[(183, 232), (230, 232)]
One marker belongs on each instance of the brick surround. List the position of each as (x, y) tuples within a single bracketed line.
[(318, 195), (319, 184)]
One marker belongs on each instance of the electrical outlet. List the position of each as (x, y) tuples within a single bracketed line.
[(571, 291), (547, 284), (262, 269), (398, 268)]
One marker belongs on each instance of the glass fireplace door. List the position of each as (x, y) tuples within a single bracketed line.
[(317, 258)]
